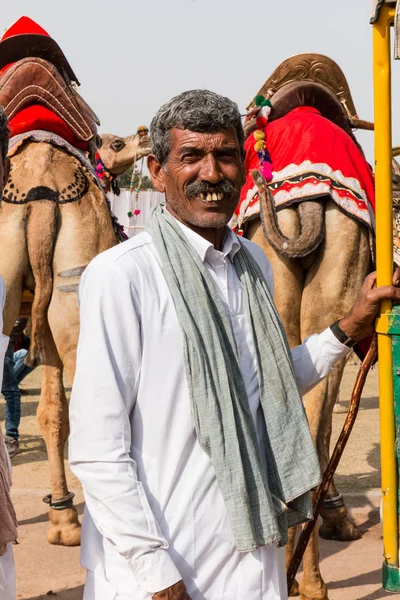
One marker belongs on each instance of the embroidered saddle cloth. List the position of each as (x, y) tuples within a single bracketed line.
[(311, 157)]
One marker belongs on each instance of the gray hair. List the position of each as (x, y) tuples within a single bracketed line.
[(197, 110), (4, 134)]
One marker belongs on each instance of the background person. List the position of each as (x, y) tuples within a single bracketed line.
[(14, 371)]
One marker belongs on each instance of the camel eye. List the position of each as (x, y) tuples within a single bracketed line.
[(117, 145)]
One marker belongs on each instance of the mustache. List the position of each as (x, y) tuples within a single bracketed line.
[(202, 187)]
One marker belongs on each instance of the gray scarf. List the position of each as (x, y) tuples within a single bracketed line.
[(261, 502)]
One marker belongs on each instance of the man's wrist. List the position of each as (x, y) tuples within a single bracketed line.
[(343, 333)]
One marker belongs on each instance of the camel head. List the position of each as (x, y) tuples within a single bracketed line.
[(118, 154)]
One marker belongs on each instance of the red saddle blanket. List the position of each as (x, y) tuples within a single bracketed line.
[(311, 156), (37, 117)]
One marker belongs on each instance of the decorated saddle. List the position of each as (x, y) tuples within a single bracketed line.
[(38, 92), (36, 81), (304, 144), (38, 86)]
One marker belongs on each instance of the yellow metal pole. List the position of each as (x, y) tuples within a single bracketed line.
[(384, 262)]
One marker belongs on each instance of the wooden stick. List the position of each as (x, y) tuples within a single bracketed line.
[(333, 463)]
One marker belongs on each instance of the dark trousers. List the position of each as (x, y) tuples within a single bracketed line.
[(12, 395)]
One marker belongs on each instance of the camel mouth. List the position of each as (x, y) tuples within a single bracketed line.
[(145, 150), (145, 143)]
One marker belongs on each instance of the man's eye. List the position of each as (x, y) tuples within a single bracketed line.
[(227, 156), (190, 157)]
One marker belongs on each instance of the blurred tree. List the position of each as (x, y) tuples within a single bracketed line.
[(124, 180)]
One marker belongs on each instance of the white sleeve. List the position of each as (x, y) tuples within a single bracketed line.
[(103, 397), (315, 358)]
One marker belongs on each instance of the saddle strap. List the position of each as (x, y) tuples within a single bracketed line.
[(34, 80)]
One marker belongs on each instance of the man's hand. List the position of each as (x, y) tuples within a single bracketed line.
[(359, 323), (175, 592)]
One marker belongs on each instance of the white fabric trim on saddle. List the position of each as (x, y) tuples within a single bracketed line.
[(250, 206)]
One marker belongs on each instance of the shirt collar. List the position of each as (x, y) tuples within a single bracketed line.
[(206, 250)]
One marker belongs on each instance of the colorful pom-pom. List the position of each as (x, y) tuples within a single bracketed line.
[(260, 145), (266, 171), (136, 211), (261, 122), (130, 213), (265, 112), (266, 102), (258, 100), (259, 135)]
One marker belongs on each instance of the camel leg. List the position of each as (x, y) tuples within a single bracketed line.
[(288, 288), (335, 279), (52, 415)]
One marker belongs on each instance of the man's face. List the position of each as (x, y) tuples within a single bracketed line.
[(202, 177)]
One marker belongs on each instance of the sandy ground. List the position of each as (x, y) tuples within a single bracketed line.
[(351, 570)]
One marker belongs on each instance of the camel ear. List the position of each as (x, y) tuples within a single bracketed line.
[(98, 141)]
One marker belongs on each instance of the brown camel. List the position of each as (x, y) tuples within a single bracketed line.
[(53, 220), (320, 258), (56, 236)]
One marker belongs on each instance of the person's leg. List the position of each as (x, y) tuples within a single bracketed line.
[(12, 395), (21, 370)]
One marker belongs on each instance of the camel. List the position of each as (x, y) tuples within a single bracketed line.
[(62, 236), (320, 258), (54, 219), (48, 237), (56, 234), (115, 155)]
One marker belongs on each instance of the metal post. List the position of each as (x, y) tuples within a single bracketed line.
[(384, 261)]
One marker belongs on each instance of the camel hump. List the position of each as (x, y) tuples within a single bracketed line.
[(42, 163)]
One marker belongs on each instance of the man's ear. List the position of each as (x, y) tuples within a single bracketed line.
[(157, 173)]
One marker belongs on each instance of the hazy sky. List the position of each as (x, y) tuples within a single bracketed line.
[(133, 55)]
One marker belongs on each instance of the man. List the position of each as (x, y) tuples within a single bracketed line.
[(8, 521), (187, 428), (10, 389)]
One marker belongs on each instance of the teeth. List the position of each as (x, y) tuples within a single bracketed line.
[(214, 197)]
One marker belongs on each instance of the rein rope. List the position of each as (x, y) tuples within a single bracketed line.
[(135, 210), (103, 174)]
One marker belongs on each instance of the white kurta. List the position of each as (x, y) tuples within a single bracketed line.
[(154, 511)]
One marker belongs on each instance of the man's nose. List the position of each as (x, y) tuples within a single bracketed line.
[(210, 170)]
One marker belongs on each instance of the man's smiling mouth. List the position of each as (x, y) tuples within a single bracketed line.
[(212, 197)]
